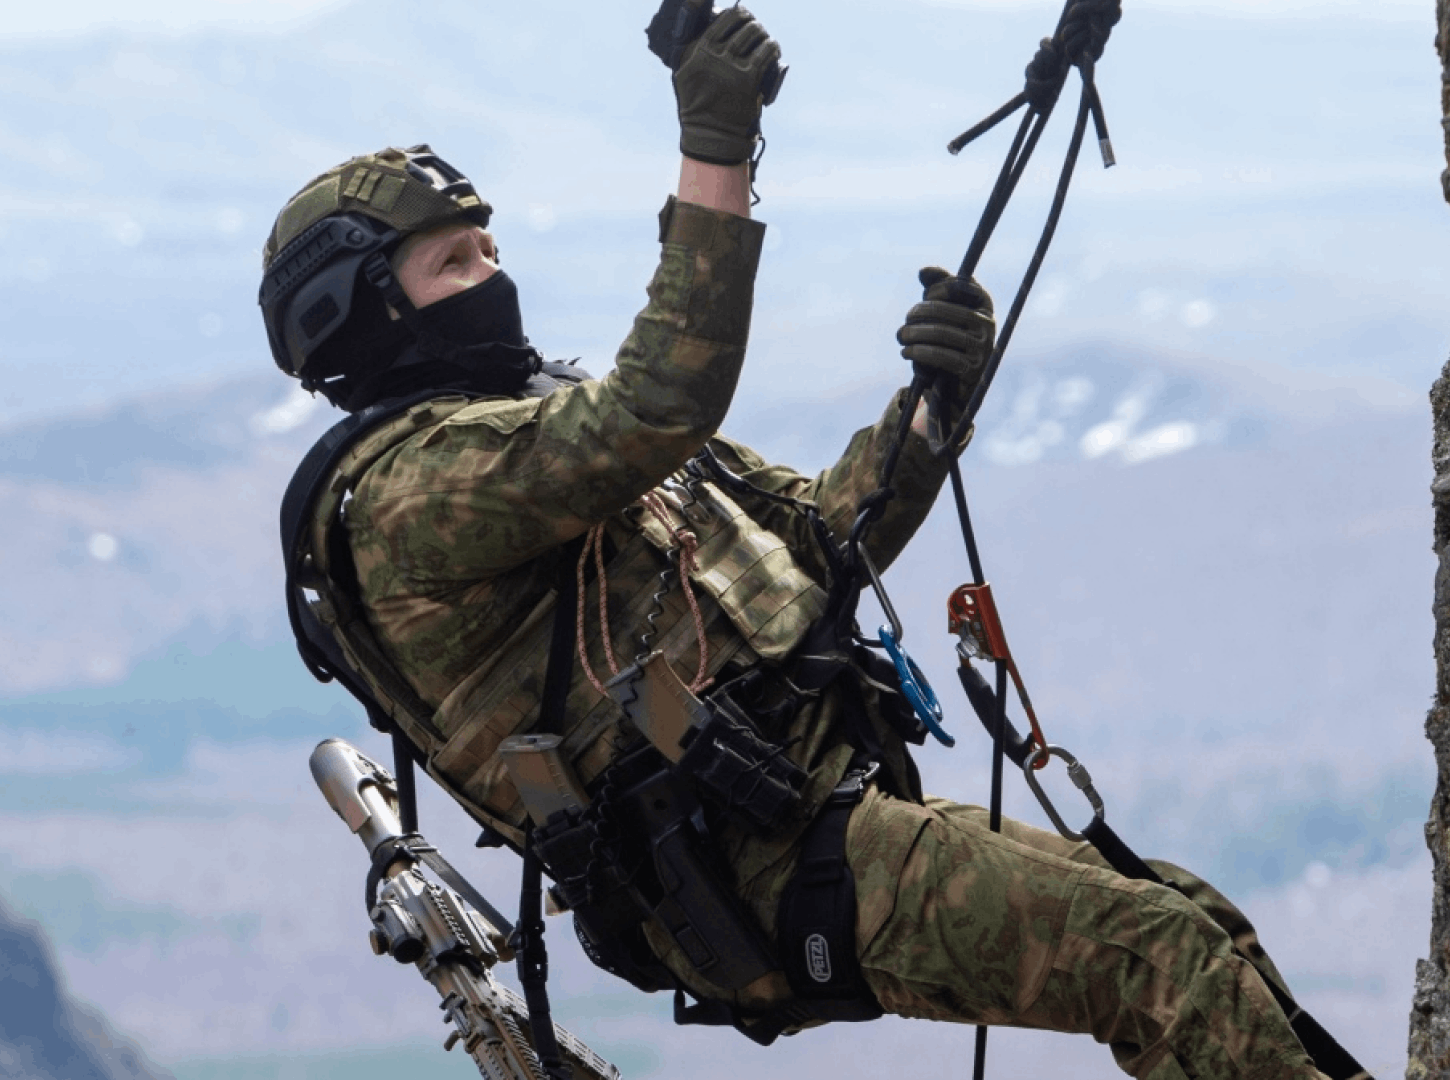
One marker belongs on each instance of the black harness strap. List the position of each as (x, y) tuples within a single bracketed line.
[(533, 955), (559, 671), (817, 914), (533, 964)]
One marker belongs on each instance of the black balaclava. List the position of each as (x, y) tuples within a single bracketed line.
[(484, 314), (472, 340)]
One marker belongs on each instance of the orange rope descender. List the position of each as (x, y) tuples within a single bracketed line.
[(972, 616)]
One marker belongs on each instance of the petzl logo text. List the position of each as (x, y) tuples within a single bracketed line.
[(818, 958)]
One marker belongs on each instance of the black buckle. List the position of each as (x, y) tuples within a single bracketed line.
[(852, 787), (378, 272)]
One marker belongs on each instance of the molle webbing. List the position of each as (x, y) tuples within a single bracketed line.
[(749, 571), (501, 697)]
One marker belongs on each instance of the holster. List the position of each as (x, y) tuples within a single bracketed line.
[(713, 743), (640, 851), (637, 847)]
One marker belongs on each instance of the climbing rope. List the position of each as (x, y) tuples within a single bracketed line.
[(1078, 42)]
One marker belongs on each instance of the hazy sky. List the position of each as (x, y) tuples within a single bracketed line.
[(75, 16)]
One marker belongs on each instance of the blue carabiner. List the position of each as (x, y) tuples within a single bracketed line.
[(917, 690)]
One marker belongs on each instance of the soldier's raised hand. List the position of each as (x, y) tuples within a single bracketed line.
[(721, 85), (952, 329)]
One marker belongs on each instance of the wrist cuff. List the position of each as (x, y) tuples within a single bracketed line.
[(715, 149), (694, 226)]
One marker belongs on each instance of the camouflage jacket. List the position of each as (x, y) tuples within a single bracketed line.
[(457, 530)]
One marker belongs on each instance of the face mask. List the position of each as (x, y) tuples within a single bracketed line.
[(485, 314)]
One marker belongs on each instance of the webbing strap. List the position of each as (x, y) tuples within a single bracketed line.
[(407, 778), (559, 670), (1328, 1055), (533, 964), (817, 917), (533, 956), (413, 846)]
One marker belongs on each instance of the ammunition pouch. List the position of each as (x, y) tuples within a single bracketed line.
[(752, 779), (713, 743), (639, 850)]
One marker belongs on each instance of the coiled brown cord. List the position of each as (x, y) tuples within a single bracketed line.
[(687, 544)]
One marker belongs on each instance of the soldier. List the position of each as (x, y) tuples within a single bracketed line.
[(482, 469)]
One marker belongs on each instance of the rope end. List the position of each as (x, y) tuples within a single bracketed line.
[(1109, 158)]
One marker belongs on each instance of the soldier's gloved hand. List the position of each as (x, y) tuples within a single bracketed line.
[(719, 88), (952, 330)]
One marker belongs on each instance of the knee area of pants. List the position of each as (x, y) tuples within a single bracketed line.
[(1151, 920)]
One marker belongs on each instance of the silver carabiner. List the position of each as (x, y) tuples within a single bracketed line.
[(1081, 779)]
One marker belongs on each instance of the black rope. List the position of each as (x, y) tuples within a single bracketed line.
[(1029, 278), (1081, 35), (964, 517)]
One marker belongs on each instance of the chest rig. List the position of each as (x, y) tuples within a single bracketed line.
[(628, 843)]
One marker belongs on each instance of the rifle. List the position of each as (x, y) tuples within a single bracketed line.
[(439, 928)]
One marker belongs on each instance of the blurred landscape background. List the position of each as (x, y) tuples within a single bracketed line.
[(1201, 481)]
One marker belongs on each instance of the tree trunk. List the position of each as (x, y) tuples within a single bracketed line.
[(1430, 1013)]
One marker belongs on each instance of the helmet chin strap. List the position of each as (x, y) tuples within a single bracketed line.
[(379, 273)]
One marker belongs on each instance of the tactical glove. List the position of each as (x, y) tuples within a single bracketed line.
[(952, 330), (719, 88)]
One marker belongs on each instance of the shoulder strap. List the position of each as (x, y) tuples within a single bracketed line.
[(316, 645), (559, 670), (325, 454)]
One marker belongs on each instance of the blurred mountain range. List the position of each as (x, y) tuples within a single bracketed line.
[(155, 518), (44, 1033)]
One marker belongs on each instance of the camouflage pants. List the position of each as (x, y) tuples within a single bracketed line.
[(1027, 929)]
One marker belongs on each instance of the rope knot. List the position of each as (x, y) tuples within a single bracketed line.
[(1079, 42), (1046, 73), (873, 506), (689, 544), (1086, 27)]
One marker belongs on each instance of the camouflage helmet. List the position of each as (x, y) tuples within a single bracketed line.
[(341, 228)]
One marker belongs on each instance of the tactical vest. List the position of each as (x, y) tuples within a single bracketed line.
[(758, 605), (763, 603)]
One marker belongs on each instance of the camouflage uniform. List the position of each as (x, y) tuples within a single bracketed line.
[(457, 531)]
